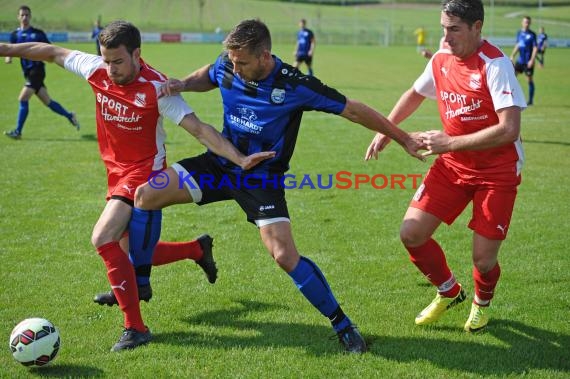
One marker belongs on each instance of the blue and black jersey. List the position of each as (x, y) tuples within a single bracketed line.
[(526, 40), (266, 115), (29, 35), (304, 38), (541, 39)]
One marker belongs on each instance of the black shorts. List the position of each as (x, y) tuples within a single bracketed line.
[(522, 68), (304, 58), (35, 78), (260, 200)]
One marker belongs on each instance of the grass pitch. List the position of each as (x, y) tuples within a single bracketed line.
[(253, 323)]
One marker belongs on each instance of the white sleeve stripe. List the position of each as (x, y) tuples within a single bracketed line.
[(162, 77)]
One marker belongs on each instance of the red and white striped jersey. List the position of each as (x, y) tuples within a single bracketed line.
[(468, 93), (129, 117)]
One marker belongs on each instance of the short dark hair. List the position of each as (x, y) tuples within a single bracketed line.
[(249, 34), (24, 8), (468, 11), (119, 33)]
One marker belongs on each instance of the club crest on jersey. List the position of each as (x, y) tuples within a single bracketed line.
[(277, 96), (140, 100), (475, 81)]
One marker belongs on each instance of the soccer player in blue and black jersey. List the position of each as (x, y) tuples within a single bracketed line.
[(305, 49), (263, 101), (34, 73), (527, 49), (542, 42)]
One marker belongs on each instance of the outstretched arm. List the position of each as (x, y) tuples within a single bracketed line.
[(217, 143), (36, 51), (362, 114), (198, 81)]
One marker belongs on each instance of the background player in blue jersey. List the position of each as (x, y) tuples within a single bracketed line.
[(527, 48), (34, 73), (263, 101), (305, 46), (95, 34), (542, 44)]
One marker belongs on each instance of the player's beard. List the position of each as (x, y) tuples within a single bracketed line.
[(126, 79), (255, 76)]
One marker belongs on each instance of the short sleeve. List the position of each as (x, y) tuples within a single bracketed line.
[(82, 64), (425, 84), (213, 71), (174, 108), (503, 86)]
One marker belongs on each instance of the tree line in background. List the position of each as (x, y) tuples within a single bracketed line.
[(529, 3)]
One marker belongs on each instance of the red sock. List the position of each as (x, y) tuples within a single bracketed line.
[(429, 258), (485, 283), (168, 252), (124, 284)]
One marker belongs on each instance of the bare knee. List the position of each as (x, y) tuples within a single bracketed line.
[(284, 254), (287, 260), (143, 198), (485, 253), (279, 242), (99, 238), (411, 235), (481, 266), (485, 264)]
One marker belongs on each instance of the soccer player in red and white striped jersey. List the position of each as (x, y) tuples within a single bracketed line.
[(129, 114), (479, 159)]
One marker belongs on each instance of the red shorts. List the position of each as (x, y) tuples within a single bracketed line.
[(445, 194), (123, 184)]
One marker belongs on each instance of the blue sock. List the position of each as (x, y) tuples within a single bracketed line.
[(530, 92), (22, 115), (57, 108), (310, 72), (311, 282), (144, 233)]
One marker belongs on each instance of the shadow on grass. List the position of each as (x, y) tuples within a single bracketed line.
[(522, 347), (254, 334), (88, 137), (66, 371), (525, 348)]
